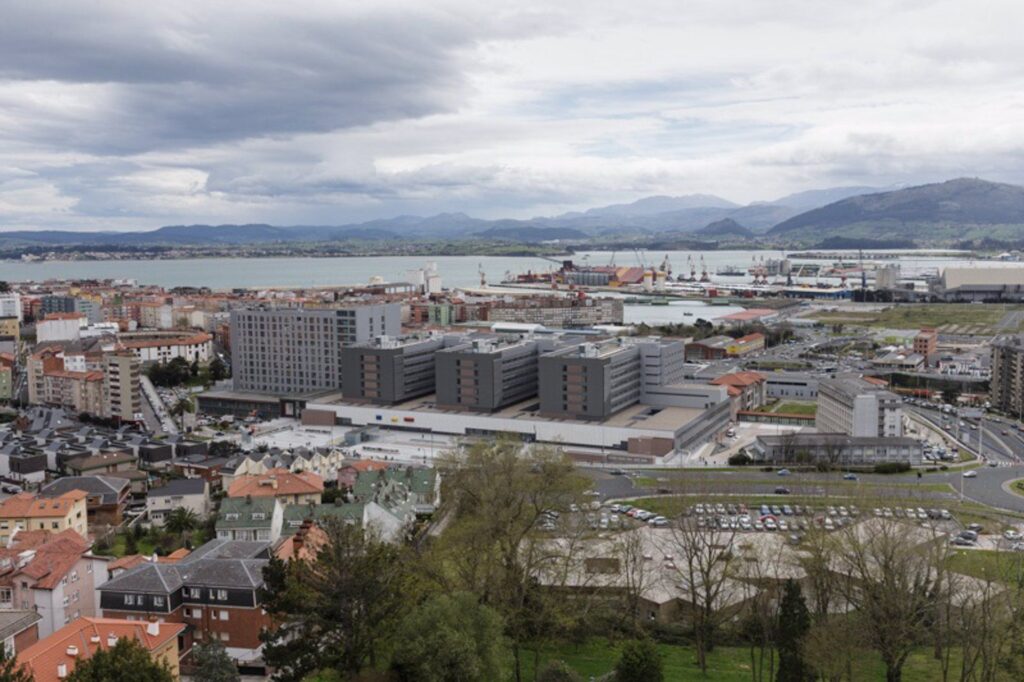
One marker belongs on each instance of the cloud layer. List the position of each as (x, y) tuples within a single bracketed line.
[(129, 116)]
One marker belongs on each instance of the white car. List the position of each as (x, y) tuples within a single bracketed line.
[(971, 474)]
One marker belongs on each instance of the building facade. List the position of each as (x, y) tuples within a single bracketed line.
[(856, 407), (288, 351), (387, 371), (1006, 391)]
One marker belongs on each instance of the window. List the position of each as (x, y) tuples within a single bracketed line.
[(129, 600), (196, 592), (158, 602), (222, 595), (231, 516), (223, 615), (74, 576)]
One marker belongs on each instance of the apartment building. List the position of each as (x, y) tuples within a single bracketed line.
[(250, 519), (10, 305), (214, 590), (1006, 391), (162, 347), (49, 383), (485, 375), (27, 511), (386, 370), (856, 407), (590, 380), (53, 574), (289, 351), (122, 387), (926, 343), (10, 330), (60, 327), (107, 497)]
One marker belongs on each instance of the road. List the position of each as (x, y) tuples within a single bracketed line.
[(986, 489), (1005, 448)]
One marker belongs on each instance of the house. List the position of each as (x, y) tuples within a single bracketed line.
[(202, 466), (106, 501), (101, 463), (26, 511), (746, 390), (180, 493), (53, 658), (392, 498), (304, 487), (53, 574), (352, 469), (250, 519), (130, 561), (18, 629), (214, 590)]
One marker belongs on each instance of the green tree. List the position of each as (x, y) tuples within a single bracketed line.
[(10, 670), (558, 671), (218, 370), (450, 638), (194, 368), (181, 407), (639, 662), (212, 663), (499, 492), (181, 521), (126, 661), (794, 624), (337, 611), (4, 287), (131, 545)]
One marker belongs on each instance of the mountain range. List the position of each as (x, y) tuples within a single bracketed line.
[(959, 209)]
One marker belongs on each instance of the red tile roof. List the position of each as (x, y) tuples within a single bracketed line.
[(739, 379), (84, 637), (27, 505), (363, 465), (276, 482)]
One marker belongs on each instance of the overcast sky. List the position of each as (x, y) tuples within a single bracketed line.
[(132, 115)]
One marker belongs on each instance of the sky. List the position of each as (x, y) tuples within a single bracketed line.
[(131, 115)]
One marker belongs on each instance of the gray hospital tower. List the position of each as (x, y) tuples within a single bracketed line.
[(298, 350)]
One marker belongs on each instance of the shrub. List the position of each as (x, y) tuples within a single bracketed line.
[(891, 468), (739, 459)]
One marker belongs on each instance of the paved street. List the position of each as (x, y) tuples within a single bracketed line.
[(987, 488)]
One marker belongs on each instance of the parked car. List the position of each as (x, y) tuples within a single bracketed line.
[(849, 477), (971, 474)]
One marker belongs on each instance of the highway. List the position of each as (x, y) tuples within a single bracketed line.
[(1005, 448)]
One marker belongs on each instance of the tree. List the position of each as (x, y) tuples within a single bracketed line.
[(450, 638), (181, 407), (794, 623), (639, 662), (212, 663), (181, 521), (4, 287), (131, 546), (498, 493), (558, 671), (892, 574), (218, 370), (194, 368), (173, 373), (126, 661), (10, 669), (704, 564), (337, 611)]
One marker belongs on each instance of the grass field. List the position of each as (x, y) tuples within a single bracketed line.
[(796, 408), (726, 664), (986, 564), (912, 316)]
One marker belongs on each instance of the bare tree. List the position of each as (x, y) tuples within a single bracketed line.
[(705, 562), (891, 573)]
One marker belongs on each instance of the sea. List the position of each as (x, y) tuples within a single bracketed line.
[(455, 271)]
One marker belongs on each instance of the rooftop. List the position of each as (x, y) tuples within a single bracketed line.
[(276, 482), (28, 505), (84, 637)]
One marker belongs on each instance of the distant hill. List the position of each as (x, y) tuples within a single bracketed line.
[(961, 208), (727, 227), (531, 235)]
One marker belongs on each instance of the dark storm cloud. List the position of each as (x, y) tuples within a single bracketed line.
[(159, 78)]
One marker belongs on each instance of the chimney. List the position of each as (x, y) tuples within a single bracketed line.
[(153, 628), (111, 639)]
